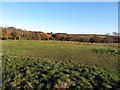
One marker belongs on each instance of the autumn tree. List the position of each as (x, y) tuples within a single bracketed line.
[(5, 33), (45, 36)]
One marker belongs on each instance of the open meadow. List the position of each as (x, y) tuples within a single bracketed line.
[(34, 64), (48, 45)]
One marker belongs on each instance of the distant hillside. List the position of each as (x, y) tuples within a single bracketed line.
[(19, 34)]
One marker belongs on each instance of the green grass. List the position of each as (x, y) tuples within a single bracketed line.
[(69, 54), (79, 53)]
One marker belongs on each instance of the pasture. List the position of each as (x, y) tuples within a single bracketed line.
[(102, 56)]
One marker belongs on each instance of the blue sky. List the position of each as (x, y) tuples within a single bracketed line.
[(68, 17)]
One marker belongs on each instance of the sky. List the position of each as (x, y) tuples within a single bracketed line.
[(62, 17)]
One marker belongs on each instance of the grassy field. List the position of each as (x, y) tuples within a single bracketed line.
[(103, 56)]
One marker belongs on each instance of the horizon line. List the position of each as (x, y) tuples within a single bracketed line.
[(24, 29)]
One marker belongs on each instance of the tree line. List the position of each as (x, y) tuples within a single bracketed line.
[(19, 34)]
